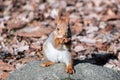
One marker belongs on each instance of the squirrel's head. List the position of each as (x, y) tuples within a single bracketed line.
[(62, 27)]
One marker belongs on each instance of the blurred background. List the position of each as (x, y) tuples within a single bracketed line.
[(26, 24)]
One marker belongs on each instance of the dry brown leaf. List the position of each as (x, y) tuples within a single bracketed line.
[(79, 48), (74, 54), (77, 28), (115, 62), (34, 46), (34, 31), (101, 46), (40, 54), (110, 12), (118, 56), (1, 30), (108, 17), (6, 66), (4, 76), (15, 25), (107, 29)]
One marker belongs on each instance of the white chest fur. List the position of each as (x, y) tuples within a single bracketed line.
[(55, 55)]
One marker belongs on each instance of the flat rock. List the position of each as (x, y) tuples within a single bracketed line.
[(83, 71)]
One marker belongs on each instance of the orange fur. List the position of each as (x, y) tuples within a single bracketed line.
[(69, 68), (48, 63), (58, 42), (61, 30)]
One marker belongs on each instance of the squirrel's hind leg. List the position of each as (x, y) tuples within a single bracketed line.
[(69, 68), (48, 63)]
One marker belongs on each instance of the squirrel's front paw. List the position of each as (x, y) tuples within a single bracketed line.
[(66, 40)]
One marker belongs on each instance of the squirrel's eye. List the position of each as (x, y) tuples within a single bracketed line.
[(58, 29)]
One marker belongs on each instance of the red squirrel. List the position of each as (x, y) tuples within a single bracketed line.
[(57, 47)]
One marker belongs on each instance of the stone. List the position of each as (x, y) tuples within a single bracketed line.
[(83, 71)]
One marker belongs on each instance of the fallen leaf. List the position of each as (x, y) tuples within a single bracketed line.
[(23, 48), (4, 76), (34, 31), (15, 25), (113, 17), (91, 29), (77, 28), (79, 48), (87, 40)]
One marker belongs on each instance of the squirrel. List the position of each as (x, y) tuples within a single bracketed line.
[(57, 47)]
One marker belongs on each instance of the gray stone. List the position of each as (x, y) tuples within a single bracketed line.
[(83, 71)]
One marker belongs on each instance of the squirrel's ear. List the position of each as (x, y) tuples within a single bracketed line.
[(60, 13)]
